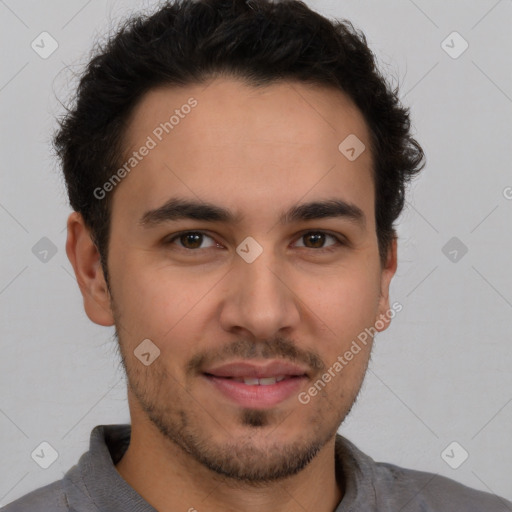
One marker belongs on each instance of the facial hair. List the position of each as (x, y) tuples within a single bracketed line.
[(181, 419)]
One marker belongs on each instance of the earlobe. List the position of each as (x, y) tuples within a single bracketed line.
[(85, 259), (383, 316)]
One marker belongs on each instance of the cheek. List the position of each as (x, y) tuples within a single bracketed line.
[(161, 303), (346, 300)]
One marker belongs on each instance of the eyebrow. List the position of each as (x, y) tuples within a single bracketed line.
[(181, 208)]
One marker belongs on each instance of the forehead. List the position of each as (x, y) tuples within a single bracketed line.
[(242, 146)]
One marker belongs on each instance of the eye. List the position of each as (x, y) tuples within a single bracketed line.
[(191, 240), (317, 239)]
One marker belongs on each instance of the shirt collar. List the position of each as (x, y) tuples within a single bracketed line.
[(96, 476)]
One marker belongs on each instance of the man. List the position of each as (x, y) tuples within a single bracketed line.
[(235, 169)]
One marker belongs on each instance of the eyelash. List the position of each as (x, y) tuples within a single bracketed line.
[(339, 241)]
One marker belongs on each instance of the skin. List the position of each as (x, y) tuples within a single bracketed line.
[(256, 152)]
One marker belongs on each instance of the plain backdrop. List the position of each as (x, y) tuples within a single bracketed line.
[(440, 374)]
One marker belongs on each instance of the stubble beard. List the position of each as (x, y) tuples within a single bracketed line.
[(237, 459)]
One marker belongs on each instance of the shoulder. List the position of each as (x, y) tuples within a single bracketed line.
[(387, 487), (50, 498), (423, 491)]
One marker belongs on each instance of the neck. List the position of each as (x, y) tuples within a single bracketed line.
[(169, 480)]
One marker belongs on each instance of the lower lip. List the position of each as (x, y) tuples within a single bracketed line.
[(258, 396)]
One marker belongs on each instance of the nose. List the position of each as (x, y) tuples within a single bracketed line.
[(259, 299)]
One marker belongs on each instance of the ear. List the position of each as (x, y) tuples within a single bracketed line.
[(85, 259), (383, 318)]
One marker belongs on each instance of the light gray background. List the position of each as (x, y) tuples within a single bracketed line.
[(440, 373)]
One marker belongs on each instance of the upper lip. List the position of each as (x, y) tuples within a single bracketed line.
[(256, 370)]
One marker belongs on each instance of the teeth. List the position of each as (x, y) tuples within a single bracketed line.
[(266, 381)]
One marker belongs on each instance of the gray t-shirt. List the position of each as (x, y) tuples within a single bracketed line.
[(94, 485)]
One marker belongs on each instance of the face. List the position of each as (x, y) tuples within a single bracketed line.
[(222, 255)]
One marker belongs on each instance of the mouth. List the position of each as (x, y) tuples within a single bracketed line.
[(253, 381), (257, 386)]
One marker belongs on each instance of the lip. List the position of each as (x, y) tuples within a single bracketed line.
[(257, 370), (258, 396), (221, 378)]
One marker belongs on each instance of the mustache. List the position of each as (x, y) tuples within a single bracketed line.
[(276, 348)]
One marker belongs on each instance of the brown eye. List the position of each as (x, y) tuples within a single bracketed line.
[(190, 240), (317, 239)]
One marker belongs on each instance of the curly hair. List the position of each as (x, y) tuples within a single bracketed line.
[(258, 41)]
